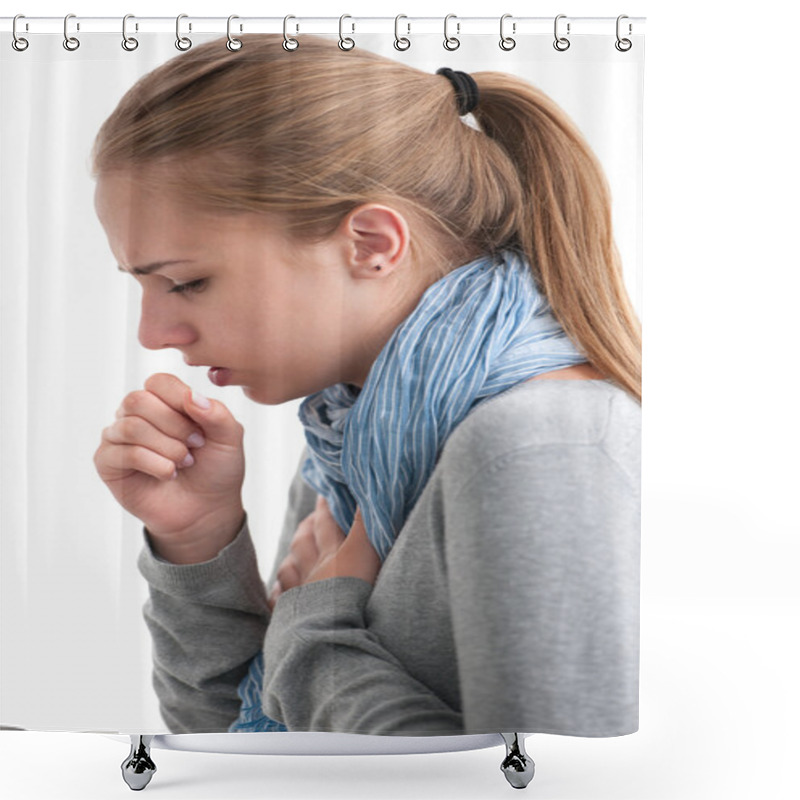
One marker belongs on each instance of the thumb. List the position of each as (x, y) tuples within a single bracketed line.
[(217, 422)]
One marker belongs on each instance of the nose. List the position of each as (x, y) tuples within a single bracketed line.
[(161, 325)]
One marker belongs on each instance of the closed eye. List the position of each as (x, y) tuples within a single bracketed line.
[(192, 287)]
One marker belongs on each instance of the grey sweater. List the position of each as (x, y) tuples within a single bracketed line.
[(509, 601)]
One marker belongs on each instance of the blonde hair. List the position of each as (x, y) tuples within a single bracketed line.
[(312, 134)]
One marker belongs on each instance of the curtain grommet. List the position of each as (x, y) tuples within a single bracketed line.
[(19, 43), (289, 43), (623, 45), (71, 43), (401, 42), (233, 44), (183, 43), (451, 43), (507, 42), (345, 42), (129, 43), (561, 43)]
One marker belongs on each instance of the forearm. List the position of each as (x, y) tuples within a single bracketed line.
[(325, 671), (207, 622)]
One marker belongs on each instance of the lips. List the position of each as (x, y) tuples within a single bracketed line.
[(219, 376)]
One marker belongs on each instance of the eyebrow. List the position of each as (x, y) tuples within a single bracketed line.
[(148, 268)]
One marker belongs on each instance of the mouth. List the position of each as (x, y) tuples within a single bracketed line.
[(220, 376)]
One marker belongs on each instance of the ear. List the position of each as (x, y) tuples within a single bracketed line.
[(375, 235)]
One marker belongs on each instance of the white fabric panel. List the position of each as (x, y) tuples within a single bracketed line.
[(75, 650)]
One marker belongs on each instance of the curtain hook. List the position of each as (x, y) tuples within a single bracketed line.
[(70, 42), (182, 42), (233, 44), (401, 43), (351, 44), (561, 43), (128, 42), (288, 42), (623, 45), (451, 42), (506, 42), (18, 42)]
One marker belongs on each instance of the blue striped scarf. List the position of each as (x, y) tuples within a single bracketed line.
[(478, 331)]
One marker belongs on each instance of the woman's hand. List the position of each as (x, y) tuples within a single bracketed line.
[(176, 466), (320, 550)]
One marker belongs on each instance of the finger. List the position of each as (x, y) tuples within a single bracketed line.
[(118, 461), (170, 389), (328, 535), (288, 574), (276, 591), (139, 431), (213, 417), (303, 547), (151, 407)]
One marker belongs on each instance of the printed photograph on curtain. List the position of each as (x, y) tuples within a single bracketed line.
[(321, 386)]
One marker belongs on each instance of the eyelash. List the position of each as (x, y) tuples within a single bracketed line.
[(189, 288)]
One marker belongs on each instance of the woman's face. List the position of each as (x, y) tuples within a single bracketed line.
[(283, 320)]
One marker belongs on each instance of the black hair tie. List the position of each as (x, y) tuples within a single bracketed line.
[(466, 89)]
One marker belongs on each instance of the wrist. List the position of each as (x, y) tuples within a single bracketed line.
[(202, 541)]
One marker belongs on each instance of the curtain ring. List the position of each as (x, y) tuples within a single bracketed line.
[(233, 44), (288, 42), (506, 42), (451, 42), (182, 42), (128, 42), (350, 43), (401, 43), (70, 42), (18, 43), (561, 43), (623, 45)]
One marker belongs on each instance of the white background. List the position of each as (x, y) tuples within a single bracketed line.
[(719, 696)]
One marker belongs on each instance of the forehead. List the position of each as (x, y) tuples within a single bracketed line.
[(146, 223), (122, 194)]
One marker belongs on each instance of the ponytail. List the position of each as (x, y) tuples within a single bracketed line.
[(564, 228)]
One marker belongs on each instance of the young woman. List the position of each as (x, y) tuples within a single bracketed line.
[(460, 552)]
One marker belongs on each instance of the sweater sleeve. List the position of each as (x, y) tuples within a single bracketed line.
[(326, 671), (207, 621), (541, 551), (544, 588)]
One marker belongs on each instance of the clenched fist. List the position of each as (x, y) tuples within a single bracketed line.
[(177, 465)]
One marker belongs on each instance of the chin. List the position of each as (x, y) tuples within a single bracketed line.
[(264, 398)]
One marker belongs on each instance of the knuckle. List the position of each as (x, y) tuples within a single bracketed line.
[(285, 572), (134, 401), (298, 544), (130, 427), (180, 453), (155, 380)]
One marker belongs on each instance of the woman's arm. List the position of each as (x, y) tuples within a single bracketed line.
[(542, 552), (543, 555), (208, 621), (326, 671)]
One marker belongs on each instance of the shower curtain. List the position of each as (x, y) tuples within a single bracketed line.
[(76, 652)]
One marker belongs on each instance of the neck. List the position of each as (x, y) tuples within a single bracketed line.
[(580, 372)]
